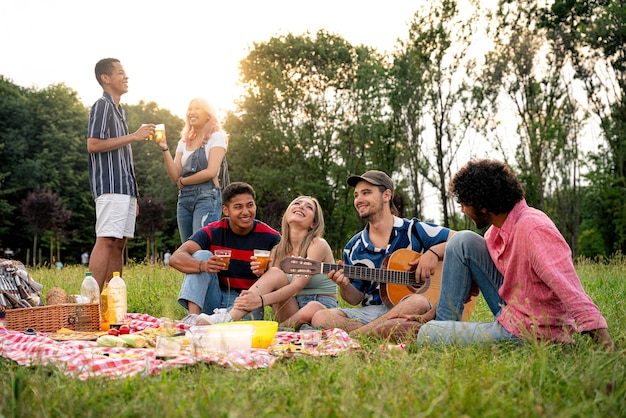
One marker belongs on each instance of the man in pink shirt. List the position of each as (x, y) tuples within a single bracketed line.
[(522, 266)]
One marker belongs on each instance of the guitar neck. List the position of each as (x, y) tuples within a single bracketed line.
[(372, 274)]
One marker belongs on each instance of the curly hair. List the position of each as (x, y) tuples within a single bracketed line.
[(487, 184)]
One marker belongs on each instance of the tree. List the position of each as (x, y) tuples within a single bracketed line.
[(15, 125), (594, 34), (430, 96), (527, 82), (150, 222), (311, 115), (44, 211)]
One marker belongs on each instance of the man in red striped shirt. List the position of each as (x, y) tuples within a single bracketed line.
[(207, 285)]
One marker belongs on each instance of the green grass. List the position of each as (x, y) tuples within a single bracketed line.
[(502, 380)]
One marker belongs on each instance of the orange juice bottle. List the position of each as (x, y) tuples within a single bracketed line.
[(105, 325)]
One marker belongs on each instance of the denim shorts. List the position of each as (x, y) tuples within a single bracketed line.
[(365, 314), (328, 301)]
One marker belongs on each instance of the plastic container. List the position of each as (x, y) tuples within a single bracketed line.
[(118, 307), (104, 309), (264, 332), (90, 289), (220, 338)]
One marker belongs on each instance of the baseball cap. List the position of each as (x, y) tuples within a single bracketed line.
[(377, 178)]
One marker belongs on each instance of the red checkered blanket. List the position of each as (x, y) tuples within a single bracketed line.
[(84, 359)]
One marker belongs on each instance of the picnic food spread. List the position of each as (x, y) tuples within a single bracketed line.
[(69, 335), (79, 355)]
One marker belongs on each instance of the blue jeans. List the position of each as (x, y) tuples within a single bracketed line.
[(467, 261), (204, 290), (198, 205)]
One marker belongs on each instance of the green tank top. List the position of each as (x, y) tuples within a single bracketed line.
[(318, 285)]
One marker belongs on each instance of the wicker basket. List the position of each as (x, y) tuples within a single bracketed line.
[(75, 316)]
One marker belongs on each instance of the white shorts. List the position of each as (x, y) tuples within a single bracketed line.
[(115, 215)]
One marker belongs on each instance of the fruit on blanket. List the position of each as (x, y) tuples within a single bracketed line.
[(124, 329), (133, 340), (110, 341), (113, 331)]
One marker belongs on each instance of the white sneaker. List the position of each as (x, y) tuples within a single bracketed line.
[(219, 316), (190, 319)]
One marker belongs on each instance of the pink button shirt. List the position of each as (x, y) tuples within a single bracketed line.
[(544, 297)]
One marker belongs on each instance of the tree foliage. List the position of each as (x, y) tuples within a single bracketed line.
[(430, 97), (594, 34), (316, 109), (43, 211), (311, 116)]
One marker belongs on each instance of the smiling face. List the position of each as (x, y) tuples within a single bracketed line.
[(369, 201), (241, 210), (117, 81), (302, 211), (197, 115)]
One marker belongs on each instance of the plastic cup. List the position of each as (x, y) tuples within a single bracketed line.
[(159, 132), (263, 257), (150, 137), (225, 256), (167, 347), (310, 338)]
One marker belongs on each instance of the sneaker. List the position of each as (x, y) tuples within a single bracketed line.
[(219, 316), (190, 319)]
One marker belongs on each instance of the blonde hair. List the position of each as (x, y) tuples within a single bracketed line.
[(188, 134), (283, 248)]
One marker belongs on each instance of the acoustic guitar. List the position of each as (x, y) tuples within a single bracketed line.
[(397, 278)]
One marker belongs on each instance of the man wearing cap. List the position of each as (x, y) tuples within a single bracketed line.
[(384, 233)]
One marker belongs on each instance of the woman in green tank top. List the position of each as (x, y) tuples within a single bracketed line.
[(294, 298)]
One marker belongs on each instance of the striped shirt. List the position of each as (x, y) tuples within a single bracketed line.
[(412, 234), (111, 171), (218, 235)]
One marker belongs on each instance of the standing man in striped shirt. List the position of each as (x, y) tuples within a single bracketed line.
[(111, 171)]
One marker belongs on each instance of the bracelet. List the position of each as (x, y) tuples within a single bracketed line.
[(200, 266), (262, 302), (180, 181), (433, 251), (166, 149)]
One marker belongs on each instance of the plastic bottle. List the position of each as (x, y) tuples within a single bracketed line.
[(105, 325), (90, 288), (117, 299)]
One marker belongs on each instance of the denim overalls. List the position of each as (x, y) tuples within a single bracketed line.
[(198, 204)]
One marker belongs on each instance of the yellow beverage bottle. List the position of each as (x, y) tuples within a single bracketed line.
[(104, 309)]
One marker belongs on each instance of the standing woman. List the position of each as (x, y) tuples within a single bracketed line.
[(195, 168)]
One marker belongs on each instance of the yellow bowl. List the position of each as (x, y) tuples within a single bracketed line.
[(264, 332)]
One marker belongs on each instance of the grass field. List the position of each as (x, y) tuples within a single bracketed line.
[(502, 380)]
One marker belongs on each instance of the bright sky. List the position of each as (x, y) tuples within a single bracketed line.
[(173, 50)]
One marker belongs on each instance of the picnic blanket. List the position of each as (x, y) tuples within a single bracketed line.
[(85, 360)]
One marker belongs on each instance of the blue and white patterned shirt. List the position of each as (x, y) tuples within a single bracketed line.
[(112, 171), (412, 234)]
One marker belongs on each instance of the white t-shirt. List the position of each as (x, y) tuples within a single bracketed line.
[(217, 139)]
